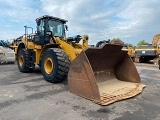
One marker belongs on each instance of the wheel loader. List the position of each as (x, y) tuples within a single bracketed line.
[(103, 75)]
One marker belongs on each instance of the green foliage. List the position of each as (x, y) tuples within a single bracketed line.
[(116, 40), (119, 40), (129, 45), (142, 42)]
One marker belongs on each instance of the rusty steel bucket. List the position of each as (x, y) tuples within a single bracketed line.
[(104, 75)]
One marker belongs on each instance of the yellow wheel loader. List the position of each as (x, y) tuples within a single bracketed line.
[(104, 75)]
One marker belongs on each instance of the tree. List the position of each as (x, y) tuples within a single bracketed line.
[(116, 40), (142, 42), (129, 45)]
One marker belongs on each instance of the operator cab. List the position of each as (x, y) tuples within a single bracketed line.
[(52, 24)]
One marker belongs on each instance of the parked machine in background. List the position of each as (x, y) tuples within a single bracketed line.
[(155, 43), (130, 50), (6, 53), (145, 53), (103, 75)]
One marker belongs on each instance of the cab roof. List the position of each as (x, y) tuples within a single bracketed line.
[(52, 17)]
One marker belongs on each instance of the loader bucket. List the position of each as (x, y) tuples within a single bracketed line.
[(104, 75)]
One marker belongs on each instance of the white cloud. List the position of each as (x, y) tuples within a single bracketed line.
[(94, 17), (18, 10), (130, 21), (16, 14)]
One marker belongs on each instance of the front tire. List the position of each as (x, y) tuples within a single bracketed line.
[(54, 65)]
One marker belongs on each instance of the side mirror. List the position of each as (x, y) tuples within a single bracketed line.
[(66, 27), (49, 33)]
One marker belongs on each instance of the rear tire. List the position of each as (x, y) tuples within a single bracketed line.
[(54, 65), (23, 61)]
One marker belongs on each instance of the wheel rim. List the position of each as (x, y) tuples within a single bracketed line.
[(48, 65), (21, 60)]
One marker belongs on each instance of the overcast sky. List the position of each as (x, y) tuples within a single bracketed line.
[(129, 20)]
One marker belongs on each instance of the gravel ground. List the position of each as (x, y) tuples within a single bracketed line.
[(27, 96)]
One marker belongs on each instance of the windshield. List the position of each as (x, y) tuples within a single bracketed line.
[(56, 27)]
